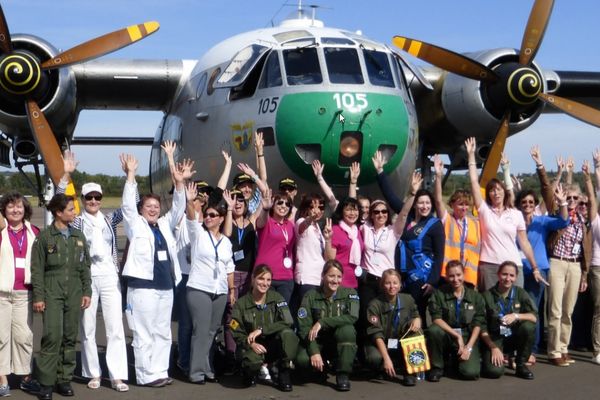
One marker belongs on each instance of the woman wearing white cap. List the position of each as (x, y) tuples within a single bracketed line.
[(100, 232)]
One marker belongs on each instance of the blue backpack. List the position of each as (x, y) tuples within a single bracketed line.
[(422, 261)]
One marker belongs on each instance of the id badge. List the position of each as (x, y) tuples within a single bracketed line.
[(376, 259), (162, 255), (19, 263), (238, 255), (458, 330), (576, 249), (392, 344), (505, 331)]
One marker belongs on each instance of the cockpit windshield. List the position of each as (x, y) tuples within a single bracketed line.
[(302, 66), (241, 64), (343, 65), (378, 68)]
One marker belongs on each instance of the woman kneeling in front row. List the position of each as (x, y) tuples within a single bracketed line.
[(458, 312), (261, 326), (511, 317), (390, 317)]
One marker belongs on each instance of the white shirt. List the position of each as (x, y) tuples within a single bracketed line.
[(309, 255), (212, 260), (379, 248)]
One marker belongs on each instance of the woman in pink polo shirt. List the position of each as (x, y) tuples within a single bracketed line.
[(276, 238), (16, 238), (502, 226)]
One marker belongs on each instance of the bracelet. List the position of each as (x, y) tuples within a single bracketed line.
[(469, 349), (229, 209), (232, 288), (538, 166), (473, 163), (266, 209), (261, 155), (412, 194), (516, 316), (564, 204), (353, 182)]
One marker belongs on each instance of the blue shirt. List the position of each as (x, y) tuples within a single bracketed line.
[(537, 233)]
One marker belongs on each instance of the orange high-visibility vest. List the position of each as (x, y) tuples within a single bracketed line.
[(472, 246)]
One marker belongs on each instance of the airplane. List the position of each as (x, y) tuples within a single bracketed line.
[(315, 92)]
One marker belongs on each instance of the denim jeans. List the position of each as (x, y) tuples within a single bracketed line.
[(536, 292), (184, 328)]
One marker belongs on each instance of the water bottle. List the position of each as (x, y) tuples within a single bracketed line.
[(421, 376)]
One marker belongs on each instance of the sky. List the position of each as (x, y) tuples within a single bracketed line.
[(191, 27)]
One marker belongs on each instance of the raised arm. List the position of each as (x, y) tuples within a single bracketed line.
[(330, 251), (471, 144), (245, 168), (129, 205), (589, 188), (267, 203), (384, 184), (228, 223), (69, 166), (505, 165), (259, 145), (190, 195), (400, 222), (224, 178), (570, 166), (438, 167), (597, 169), (318, 171), (547, 190), (354, 174), (168, 147)]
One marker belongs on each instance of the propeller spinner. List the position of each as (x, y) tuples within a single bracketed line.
[(23, 78), (510, 86)]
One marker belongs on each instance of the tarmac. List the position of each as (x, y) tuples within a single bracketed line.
[(577, 381)]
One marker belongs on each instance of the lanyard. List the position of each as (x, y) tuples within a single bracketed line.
[(381, 235), (20, 240), (506, 310), (321, 240), (157, 234), (457, 307), (240, 232), (215, 246), (463, 239), (396, 320), (286, 237)]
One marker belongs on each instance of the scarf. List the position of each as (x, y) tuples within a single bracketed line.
[(93, 229), (352, 232)]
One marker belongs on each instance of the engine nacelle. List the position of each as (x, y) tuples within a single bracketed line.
[(475, 108), (55, 93)]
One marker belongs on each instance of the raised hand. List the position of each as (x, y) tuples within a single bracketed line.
[(69, 162), (267, 199), (536, 155), (570, 164), (379, 161), (245, 168), (318, 168), (416, 182), (560, 164), (596, 155), (168, 147), (128, 162), (438, 165), (259, 142), (226, 156), (559, 194), (504, 160), (471, 145), (586, 168), (328, 229), (186, 168), (191, 191), (354, 172), (230, 201)]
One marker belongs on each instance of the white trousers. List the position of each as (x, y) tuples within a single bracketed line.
[(106, 290), (16, 338), (149, 318)]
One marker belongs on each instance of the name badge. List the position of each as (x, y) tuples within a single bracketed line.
[(162, 255), (392, 343), (376, 259), (576, 249), (287, 263), (458, 330), (238, 255), (19, 263)]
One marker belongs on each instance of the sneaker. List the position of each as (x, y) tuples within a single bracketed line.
[(4, 391), (263, 374), (30, 385), (596, 359)]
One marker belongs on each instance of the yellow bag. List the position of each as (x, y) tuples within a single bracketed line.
[(416, 357)]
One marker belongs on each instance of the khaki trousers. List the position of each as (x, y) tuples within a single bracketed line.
[(16, 337), (564, 279)]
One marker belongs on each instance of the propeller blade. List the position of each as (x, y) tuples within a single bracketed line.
[(5, 41), (46, 142), (446, 59), (534, 32), (574, 109), (102, 45), (490, 169)]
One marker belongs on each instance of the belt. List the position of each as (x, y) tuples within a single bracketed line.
[(569, 259), (373, 278)]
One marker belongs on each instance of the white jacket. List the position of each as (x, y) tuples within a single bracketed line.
[(140, 256)]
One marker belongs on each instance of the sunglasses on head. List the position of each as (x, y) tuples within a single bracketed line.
[(96, 197), (377, 212), (282, 203), (573, 198), (212, 215)]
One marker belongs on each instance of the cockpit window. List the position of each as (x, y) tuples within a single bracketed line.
[(336, 40), (343, 65), (241, 65), (302, 66), (378, 68), (271, 76)]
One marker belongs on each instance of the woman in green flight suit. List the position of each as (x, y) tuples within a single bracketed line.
[(510, 324), (389, 317), (326, 320), (261, 326), (458, 313)]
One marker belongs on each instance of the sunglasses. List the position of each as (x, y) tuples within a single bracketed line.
[(212, 215), (89, 197), (239, 199), (527, 202), (282, 203), (286, 189), (582, 203), (573, 198), (377, 212)]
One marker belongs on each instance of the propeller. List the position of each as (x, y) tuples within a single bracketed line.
[(512, 85), (21, 78)]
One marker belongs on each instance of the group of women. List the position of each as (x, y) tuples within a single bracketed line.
[(292, 288)]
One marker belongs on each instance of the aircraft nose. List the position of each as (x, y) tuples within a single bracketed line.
[(339, 129)]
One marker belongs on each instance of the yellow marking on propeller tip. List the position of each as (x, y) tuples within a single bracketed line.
[(151, 26), (134, 33), (415, 48), (400, 42)]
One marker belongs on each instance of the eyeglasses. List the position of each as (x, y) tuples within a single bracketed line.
[(282, 203), (212, 215), (527, 202), (573, 198), (239, 199), (377, 212), (583, 204), (89, 197)]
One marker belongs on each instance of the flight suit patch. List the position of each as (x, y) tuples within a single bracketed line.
[(282, 304), (353, 297), (373, 319), (79, 243), (302, 313), (51, 248), (233, 325)]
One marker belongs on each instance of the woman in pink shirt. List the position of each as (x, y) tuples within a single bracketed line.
[(16, 338), (501, 227), (344, 242), (276, 238)]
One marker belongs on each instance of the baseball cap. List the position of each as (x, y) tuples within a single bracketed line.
[(288, 183), (90, 187), (242, 178)]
